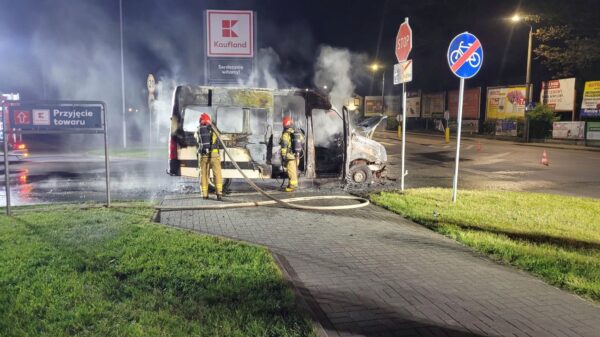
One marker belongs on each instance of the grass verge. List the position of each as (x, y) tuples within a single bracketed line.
[(67, 270), (554, 237), (132, 153)]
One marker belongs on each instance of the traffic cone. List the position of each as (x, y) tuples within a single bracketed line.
[(544, 160), (478, 146)]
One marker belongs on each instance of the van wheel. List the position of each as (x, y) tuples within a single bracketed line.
[(359, 174), (211, 184)]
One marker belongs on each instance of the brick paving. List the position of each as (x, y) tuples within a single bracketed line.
[(369, 272)]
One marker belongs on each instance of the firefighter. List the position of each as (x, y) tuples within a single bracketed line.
[(291, 146), (210, 158)]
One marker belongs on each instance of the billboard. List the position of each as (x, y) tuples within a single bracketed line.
[(229, 33), (471, 103), (505, 102), (593, 131), (433, 105), (568, 130), (413, 104), (467, 126), (506, 127), (392, 107), (590, 104), (559, 95)]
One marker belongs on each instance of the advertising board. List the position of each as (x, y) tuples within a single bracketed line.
[(433, 105), (568, 130), (471, 103), (559, 95), (413, 104), (505, 102), (590, 104)]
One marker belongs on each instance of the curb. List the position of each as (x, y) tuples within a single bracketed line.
[(475, 137), (304, 298)]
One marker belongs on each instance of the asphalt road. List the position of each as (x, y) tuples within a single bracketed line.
[(493, 164), (44, 178)]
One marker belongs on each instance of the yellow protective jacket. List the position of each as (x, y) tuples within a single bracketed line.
[(287, 153)]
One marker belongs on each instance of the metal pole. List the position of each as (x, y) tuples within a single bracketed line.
[(528, 83), (460, 109), (6, 169), (122, 76), (382, 91), (403, 173), (106, 162)]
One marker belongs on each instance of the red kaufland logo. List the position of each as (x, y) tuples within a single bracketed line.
[(227, 26), (229, 33)]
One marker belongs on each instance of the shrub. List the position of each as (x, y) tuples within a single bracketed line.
[(540, 121)]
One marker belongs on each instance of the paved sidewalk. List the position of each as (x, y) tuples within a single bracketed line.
[(368, 272)]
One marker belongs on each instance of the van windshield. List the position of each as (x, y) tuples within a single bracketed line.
[(192, 116), (230, 119)]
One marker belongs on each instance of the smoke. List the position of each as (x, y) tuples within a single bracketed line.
[(340, 71), (266, 72)]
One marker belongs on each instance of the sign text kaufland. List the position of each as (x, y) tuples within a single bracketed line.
[(229, 33)]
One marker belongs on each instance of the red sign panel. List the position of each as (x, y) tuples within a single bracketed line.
[(403, 41), (22, 117), (471, 103)]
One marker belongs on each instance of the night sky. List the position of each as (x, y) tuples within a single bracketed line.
[(62, 48)]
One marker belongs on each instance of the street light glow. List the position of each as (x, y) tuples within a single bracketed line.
[(516, 18), (375, 66)]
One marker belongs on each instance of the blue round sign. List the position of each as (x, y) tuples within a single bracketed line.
[(465, 55)]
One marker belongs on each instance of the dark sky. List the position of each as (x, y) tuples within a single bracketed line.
[(63, 48)]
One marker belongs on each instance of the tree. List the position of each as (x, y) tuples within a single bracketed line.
[(566, 54), (568, 38)]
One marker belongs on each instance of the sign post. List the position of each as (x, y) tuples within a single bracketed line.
[(465, 56), (55, 117), (403, 48)]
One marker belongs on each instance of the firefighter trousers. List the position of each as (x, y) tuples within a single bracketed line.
[(292, 170), (210, 162)]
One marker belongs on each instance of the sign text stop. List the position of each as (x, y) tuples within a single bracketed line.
[(403, 41)]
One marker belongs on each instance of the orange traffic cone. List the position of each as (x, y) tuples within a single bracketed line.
[(544, 160)]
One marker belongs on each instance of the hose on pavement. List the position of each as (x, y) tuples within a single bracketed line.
[(286, 202)]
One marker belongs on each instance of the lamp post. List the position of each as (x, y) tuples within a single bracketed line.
[(374, 67), (516, 19)]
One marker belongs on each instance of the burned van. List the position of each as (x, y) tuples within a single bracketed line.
[(250, 122)]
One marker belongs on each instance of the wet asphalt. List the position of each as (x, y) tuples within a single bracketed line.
[(61, 177)]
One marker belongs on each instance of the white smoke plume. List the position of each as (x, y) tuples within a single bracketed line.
[(339, 70), (265, 73)]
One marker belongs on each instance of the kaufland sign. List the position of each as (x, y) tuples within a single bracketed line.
[(230, 33)]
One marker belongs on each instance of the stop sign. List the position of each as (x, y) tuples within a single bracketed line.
[(403, 41)]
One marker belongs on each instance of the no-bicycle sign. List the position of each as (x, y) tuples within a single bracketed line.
[(465, 55)]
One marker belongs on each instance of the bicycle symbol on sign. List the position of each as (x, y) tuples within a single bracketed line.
[(474, 59)]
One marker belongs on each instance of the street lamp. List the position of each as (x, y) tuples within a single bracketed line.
[(516, 19), (375, 67)]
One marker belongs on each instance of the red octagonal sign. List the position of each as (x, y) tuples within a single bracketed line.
[(403, 41)]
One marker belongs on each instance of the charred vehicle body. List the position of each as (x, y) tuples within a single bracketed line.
[(250, 122)]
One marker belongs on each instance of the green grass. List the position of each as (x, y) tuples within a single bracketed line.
[(72, 271), (554, 237), (132, 153)]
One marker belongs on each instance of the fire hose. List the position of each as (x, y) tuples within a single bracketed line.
[(286, 202)]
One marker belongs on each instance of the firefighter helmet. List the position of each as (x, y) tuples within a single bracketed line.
[(287, 122), (204, 119)]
